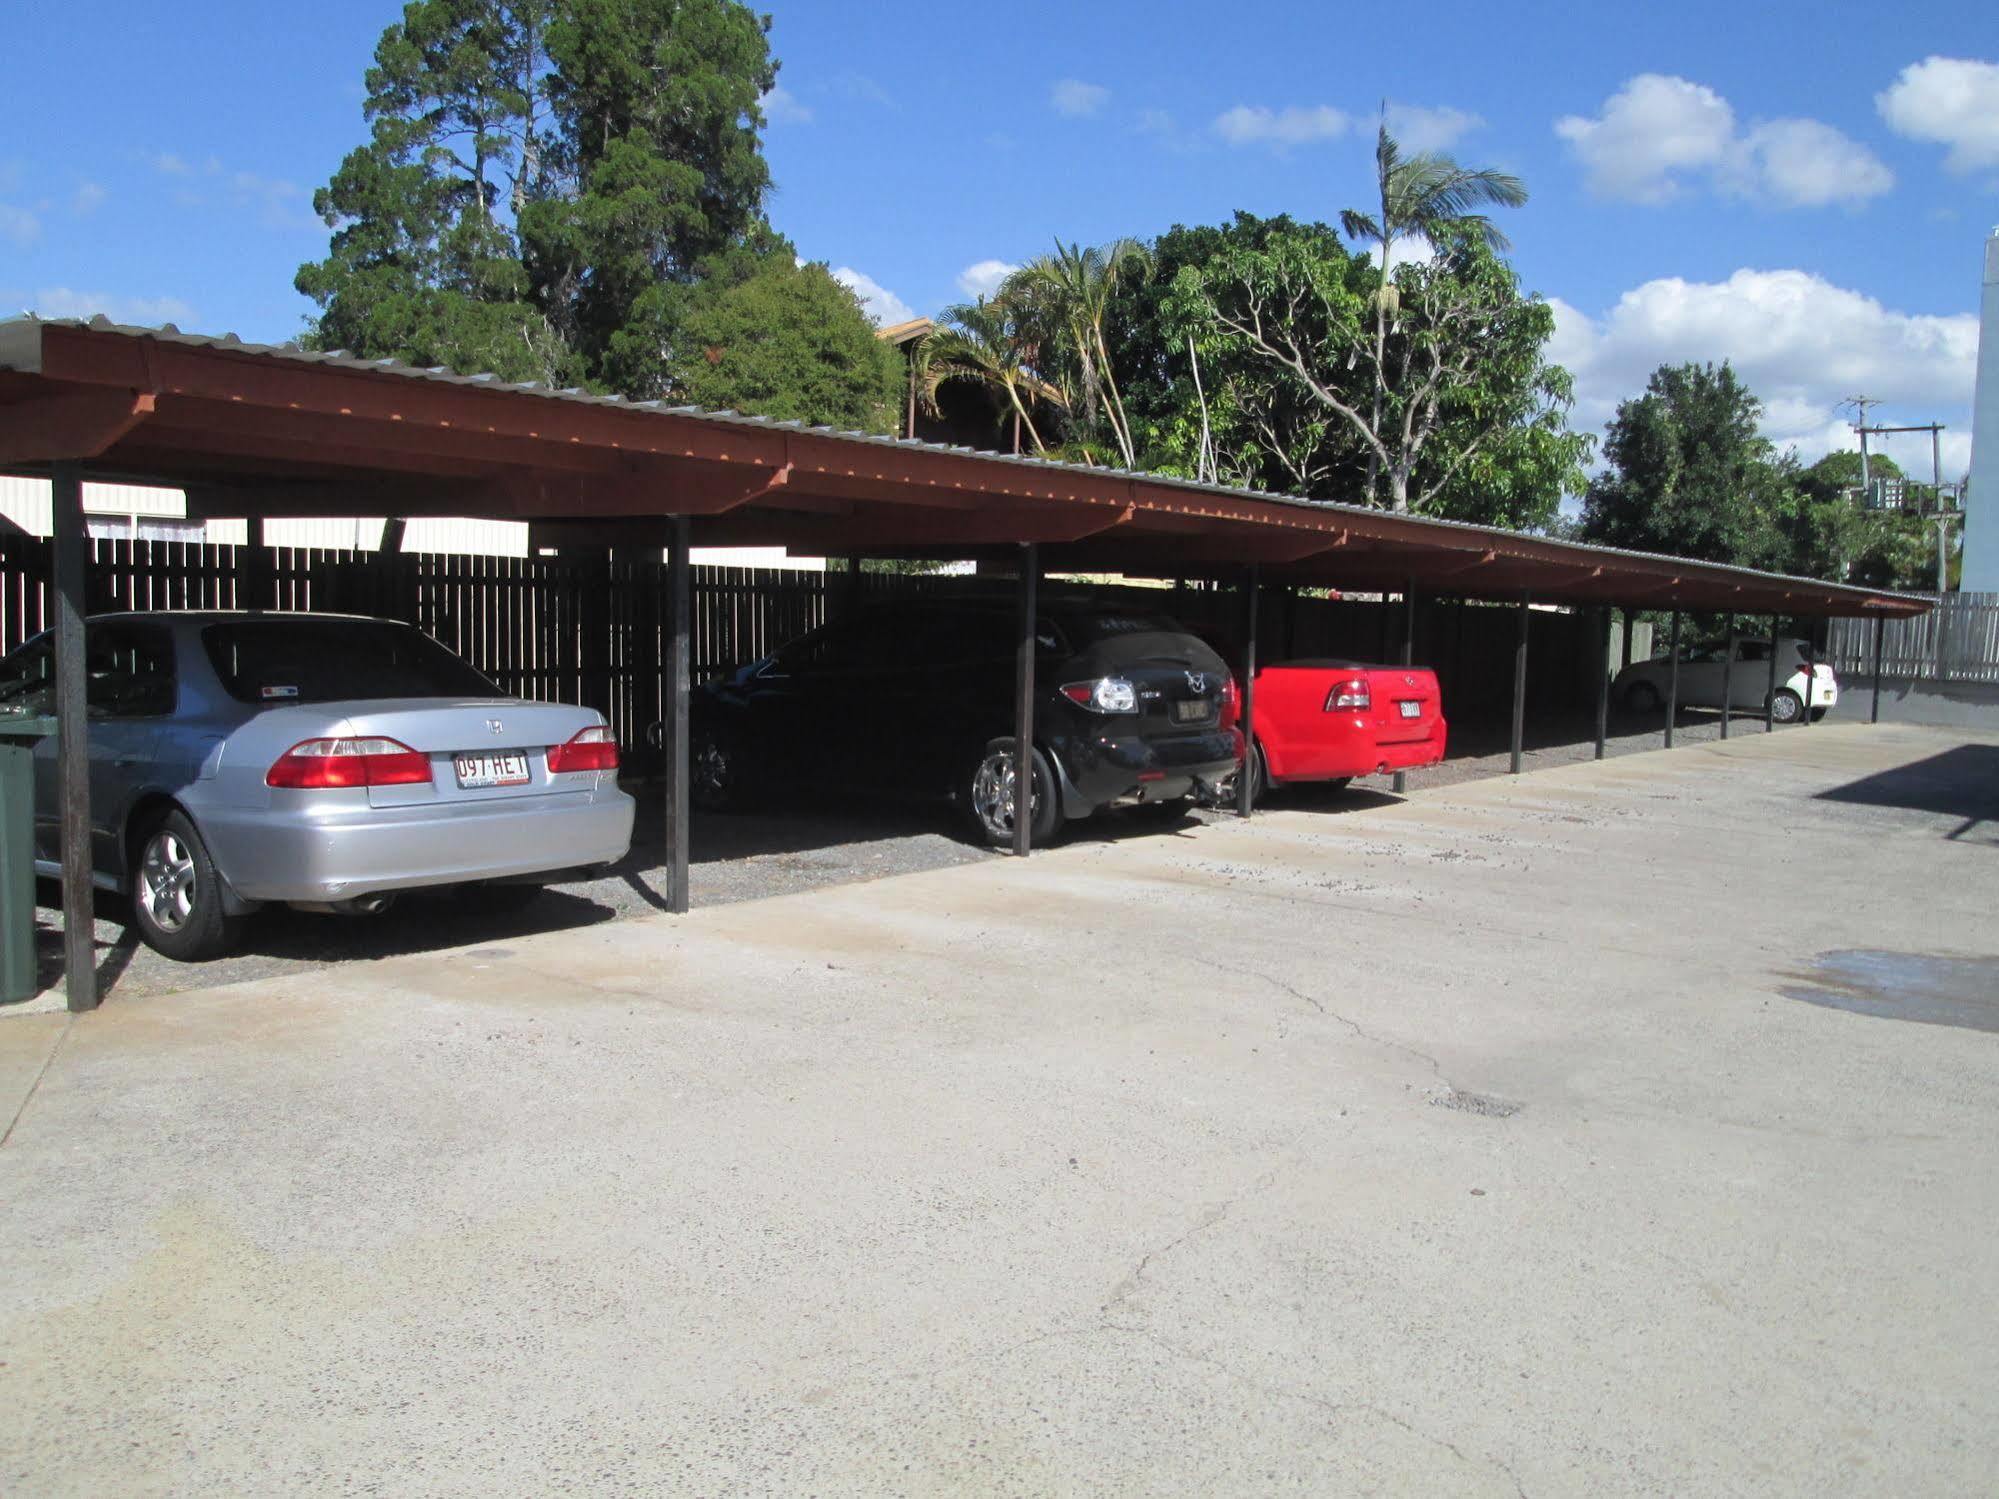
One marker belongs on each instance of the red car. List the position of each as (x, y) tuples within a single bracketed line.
[(1334, 720)]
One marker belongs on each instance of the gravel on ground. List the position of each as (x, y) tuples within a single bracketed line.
[(754, 856)]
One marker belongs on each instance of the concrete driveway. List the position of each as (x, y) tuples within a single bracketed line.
[(1530, 1137)]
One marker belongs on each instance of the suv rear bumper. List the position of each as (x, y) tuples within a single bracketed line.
[(1095, 771)]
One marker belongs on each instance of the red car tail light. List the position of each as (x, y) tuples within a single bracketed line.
[(594, 748), (1352, 693), (1231, 710), (334, 764)]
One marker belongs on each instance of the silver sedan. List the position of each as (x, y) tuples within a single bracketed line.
[(320, 761)]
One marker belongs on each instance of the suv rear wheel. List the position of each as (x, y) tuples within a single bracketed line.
[(990, 795)]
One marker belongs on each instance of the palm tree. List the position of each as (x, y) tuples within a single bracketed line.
[(980, 341), (1067, 294), (1419, 196)]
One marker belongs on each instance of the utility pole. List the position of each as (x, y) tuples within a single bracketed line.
[(1943, 512), (1860, 405)]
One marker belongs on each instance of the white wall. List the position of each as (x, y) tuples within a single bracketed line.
[(123, 509), (1981, 502)]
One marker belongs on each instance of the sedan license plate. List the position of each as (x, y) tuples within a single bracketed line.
[(491, 770), (1410, 708), (1193, 710)]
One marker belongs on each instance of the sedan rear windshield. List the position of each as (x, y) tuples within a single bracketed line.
[(278, 661)]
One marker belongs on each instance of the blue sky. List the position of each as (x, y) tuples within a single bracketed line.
[(1801, 188)]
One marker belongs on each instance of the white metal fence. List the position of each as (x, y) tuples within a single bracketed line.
[(1958, 641)]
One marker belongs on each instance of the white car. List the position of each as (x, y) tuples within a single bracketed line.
[(1641, 686)]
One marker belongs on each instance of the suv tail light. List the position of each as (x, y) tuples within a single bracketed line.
[(332, 764), (1230, 712), (1352, 693), (595, 748), (1105, 695)]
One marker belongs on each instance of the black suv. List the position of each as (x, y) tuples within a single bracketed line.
[(916, 696)]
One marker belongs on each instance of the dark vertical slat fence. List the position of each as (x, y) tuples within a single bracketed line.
[(593, 631)]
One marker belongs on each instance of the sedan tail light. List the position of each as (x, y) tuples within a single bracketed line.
[(595, 748), (333, 764), (1104, 695), (1230, 713), (1352, 693)]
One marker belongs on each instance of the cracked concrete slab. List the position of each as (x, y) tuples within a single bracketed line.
[(1118, 1171)]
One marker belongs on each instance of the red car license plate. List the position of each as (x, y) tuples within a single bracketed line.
[(1410, 708), (491, 770)]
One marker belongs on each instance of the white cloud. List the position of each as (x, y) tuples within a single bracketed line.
[(61, 301), (1800, 343), (880, 304), (1299, 125), (279, 204), (984, 278), (781, 107), (1650, 130), (18, 226), (1156, 122), (1075, 98), (1419, 129), (860, 86), (88, 199), (1806, 164), (1951, 100), (171, 165), (1657, 132)]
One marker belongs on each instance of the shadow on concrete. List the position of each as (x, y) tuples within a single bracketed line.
[(1960, 783), (1481, 735)]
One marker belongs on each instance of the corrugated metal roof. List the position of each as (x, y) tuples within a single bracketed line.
[(20, 347)]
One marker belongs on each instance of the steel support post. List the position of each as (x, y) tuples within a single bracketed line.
[(1023, 706), (1875, 715), (1408, 655), (678, 673), (1519, 682), (1770, 696), (79, 913), (1673, 680), (1728, 679), (1603, 682), (1245, 781), (1630, 619), (1811, 678)]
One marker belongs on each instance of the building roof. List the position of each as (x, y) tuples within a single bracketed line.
[(906, 332), (261, 430)]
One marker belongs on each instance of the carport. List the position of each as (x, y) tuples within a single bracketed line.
[(256, 432)]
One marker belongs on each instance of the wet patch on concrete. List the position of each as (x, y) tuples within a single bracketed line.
[(1904, 986)]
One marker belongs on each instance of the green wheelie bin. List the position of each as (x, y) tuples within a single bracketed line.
[(19, 734)]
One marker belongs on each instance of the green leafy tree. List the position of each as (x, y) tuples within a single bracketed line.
[(546, 185), (657, 171), (423, 264), (791, 343), (1425, 196), (1202, 405), (1689, 473), (1461, 377), (1834, 535)]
